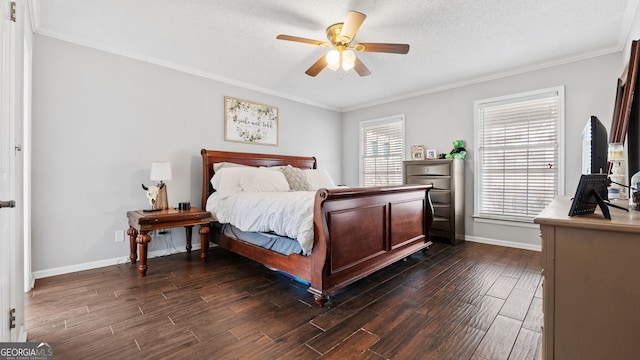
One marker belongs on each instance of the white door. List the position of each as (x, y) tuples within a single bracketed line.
[(11, 114), (6, 213)]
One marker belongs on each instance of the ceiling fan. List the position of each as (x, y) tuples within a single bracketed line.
[(340, 36)]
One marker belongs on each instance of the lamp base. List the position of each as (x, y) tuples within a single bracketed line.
[(162, 203)]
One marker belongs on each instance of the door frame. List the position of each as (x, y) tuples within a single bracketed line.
[(15, 38)]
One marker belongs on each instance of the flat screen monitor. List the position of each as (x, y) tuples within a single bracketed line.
[(594, 147), (588, 197)]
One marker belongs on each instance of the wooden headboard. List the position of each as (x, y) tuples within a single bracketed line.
[(210, 157)]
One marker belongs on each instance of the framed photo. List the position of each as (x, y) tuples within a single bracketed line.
[(250, 122), (431, 154), (417, 152)]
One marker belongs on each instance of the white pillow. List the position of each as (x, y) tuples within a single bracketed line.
[(264, 181), (230, 180), (220, 165), (226, 181), (319, 178)]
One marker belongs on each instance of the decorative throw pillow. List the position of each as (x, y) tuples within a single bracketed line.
[(296, 178)]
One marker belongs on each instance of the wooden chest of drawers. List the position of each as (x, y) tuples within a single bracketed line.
[(447, 195), (591, 274)]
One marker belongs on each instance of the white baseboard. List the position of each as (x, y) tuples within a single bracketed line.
[(513, 244), (22, 334), (107, 262)]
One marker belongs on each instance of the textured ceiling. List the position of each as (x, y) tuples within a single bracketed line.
[(453, 42)]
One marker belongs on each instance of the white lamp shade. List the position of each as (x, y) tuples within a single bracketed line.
[(333, 60), (160, 171), (348, 60)]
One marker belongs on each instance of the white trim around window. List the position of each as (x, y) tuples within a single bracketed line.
[(381, 151), (519, 149)]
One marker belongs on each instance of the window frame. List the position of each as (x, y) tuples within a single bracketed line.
[(525, 221), (380, 121)]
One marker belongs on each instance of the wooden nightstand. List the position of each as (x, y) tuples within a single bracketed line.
[(140, 223)]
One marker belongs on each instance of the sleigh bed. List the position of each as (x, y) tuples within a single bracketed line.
[(356, 231)]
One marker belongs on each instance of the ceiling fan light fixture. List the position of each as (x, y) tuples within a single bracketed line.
[(341, 57), (334, 67), (333, 60), (348, 60)]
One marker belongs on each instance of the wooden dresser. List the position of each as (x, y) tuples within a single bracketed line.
[(447, 195), (591, 272)]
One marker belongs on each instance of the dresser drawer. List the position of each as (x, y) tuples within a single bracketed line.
[(439, 183), (441, 233), (440, 169), (440, 197), (442, 211), (442, 224)]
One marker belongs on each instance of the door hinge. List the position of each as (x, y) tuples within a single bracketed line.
[(12, 318), (8, 204), (13, 11)]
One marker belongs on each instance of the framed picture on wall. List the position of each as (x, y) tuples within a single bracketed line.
[(417, 152), (250, 122)]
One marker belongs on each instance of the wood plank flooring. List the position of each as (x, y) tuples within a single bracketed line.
[(471, 301)]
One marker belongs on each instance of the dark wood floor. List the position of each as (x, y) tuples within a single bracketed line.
[(472, 301)]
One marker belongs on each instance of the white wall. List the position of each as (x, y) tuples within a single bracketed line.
[(436, 119), (100, 120), (634, 34)]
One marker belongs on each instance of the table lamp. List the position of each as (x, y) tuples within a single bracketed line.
[(617, 177), (161, 171)]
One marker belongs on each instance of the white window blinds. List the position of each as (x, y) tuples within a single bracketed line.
[(518, 146), (381, 151)]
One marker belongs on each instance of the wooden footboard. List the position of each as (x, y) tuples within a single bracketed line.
[(361, 230)]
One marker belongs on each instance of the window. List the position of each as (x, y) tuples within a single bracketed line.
[(381, 151), (519, 164)]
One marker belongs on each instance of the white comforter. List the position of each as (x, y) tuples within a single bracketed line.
[(287, 214)]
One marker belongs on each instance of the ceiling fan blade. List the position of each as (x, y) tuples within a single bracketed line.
[(302, 40), (317, 66), (360, 68), (383, 48), (351, 25)]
